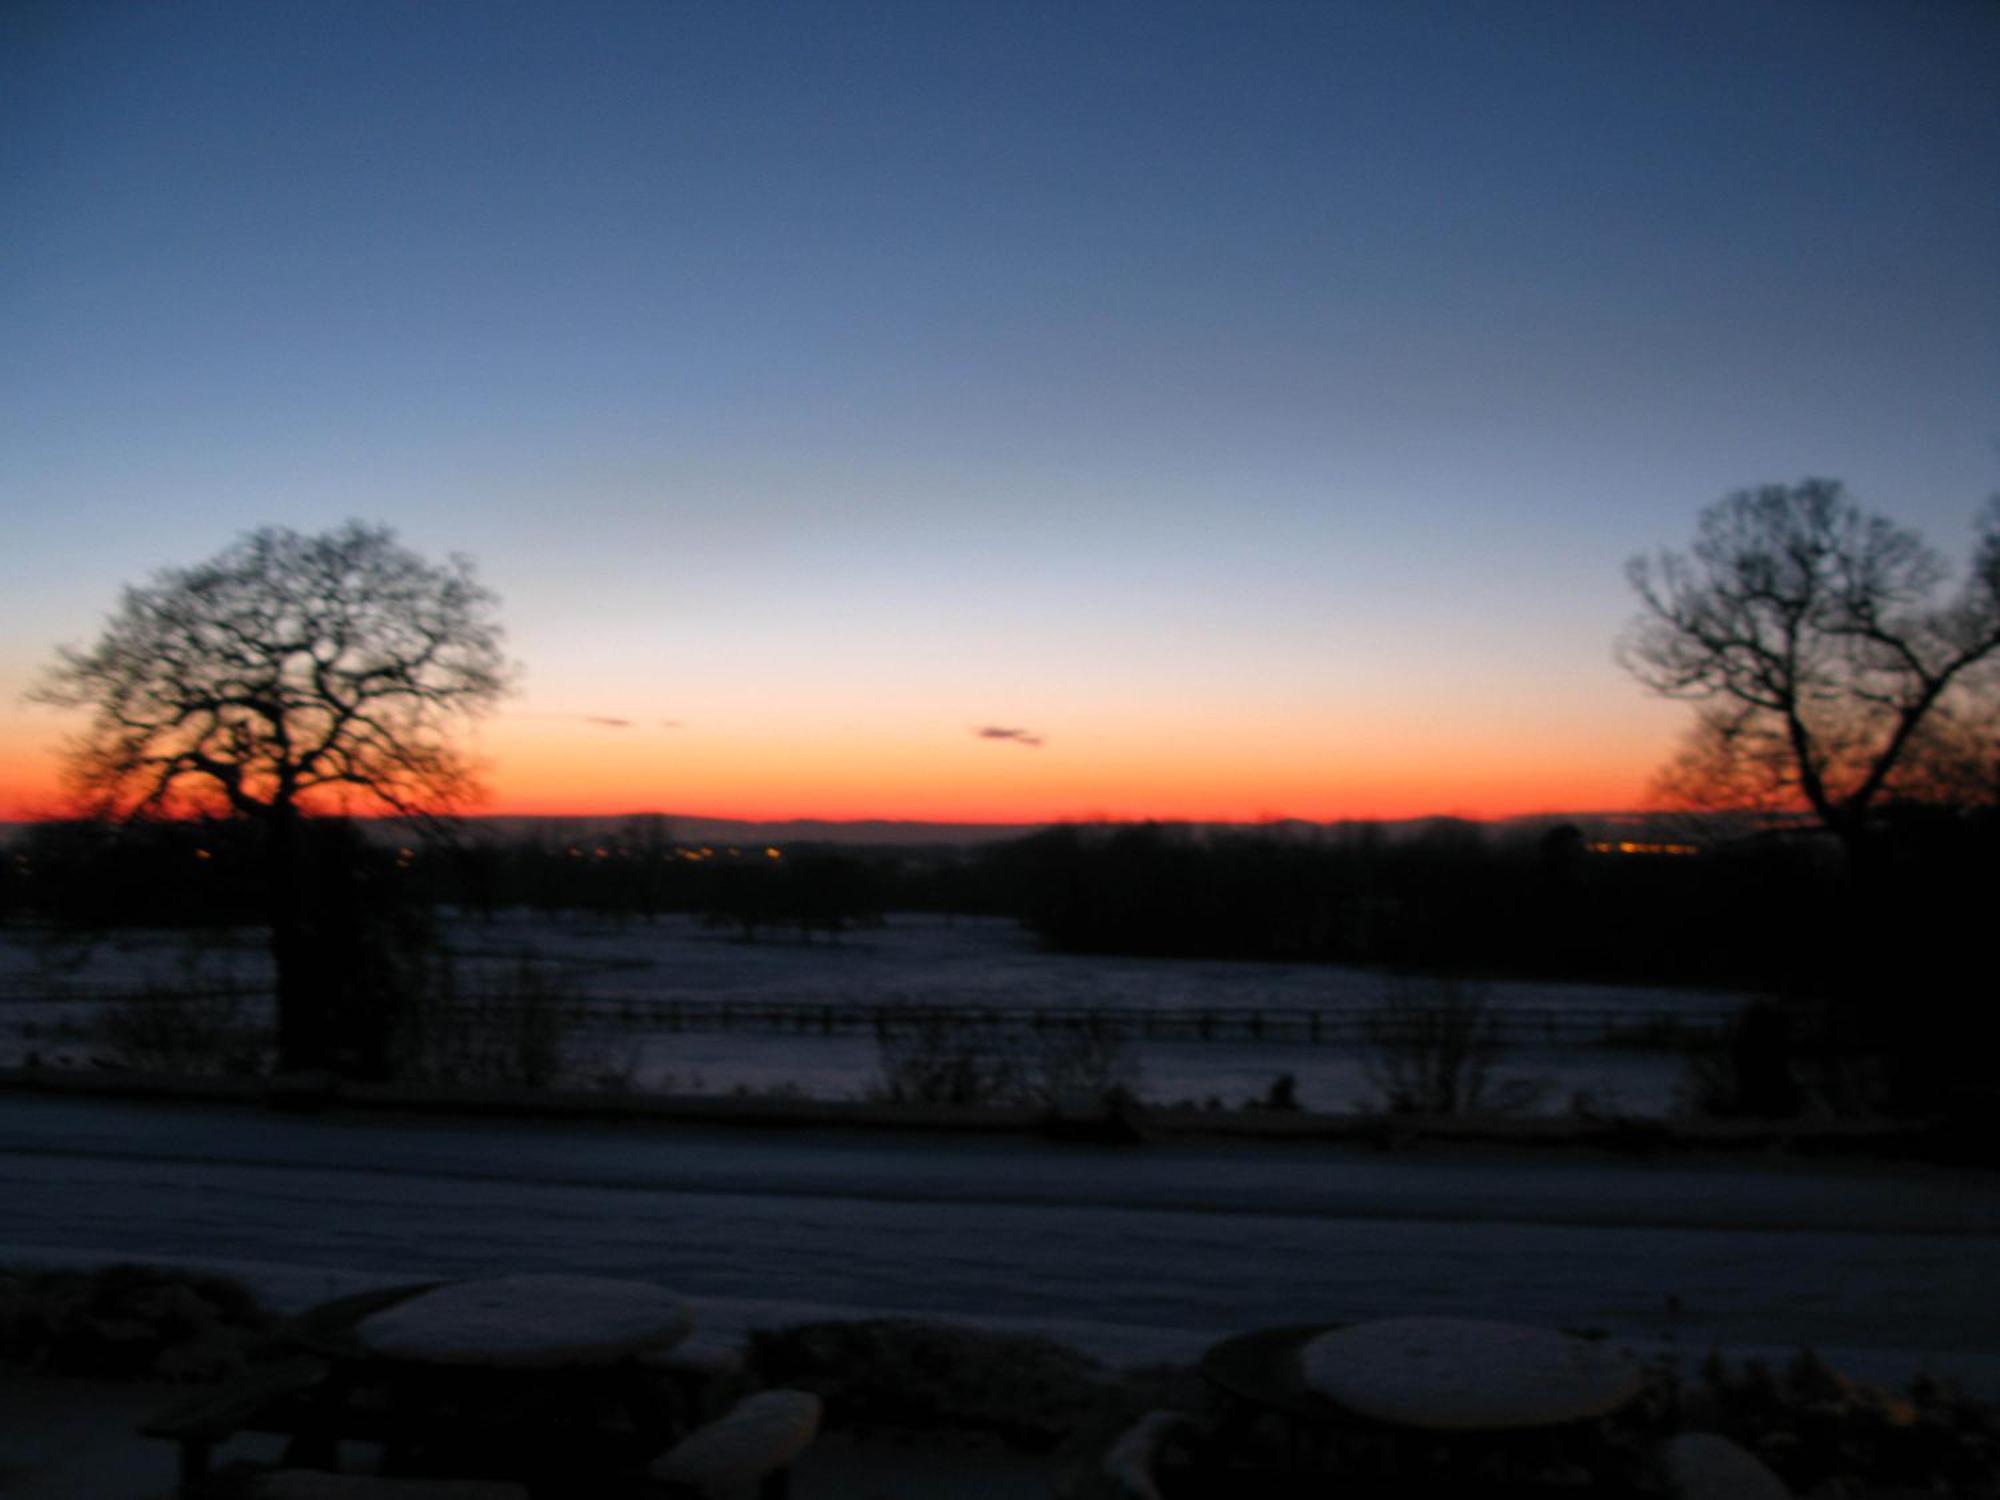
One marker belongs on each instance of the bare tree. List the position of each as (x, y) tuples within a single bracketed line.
[(1431, 1048), (1830, 675), (290, 676)]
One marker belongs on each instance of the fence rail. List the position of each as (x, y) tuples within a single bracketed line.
[(1345, 1025), (1657, 1029)]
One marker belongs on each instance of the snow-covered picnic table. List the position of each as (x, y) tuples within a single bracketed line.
[(1467, 1374), (563, 1384), (528, 1322), (1375, 1399), (558, 1381)]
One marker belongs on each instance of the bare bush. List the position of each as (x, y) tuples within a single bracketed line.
[(200, 1022), (130, 1322), (164, 1029), (940, 1057), (1749, 1074), (934, 1057), (904, 1375), (1088, 1062), (515, 1030), (1431, 1050)]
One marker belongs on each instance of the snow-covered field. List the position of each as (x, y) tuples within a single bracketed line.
[(1131, 1254), (922, 959)]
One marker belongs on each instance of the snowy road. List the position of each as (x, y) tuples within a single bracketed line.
[(1192, 1239)]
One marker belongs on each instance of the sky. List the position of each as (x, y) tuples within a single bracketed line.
[(1251, 406)]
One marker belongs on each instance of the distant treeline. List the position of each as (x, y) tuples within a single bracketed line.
[(1772, 912), (1780, 911), (1455, 896), (197, 873)]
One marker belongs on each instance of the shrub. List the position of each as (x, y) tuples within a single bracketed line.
[(167, 1030), (129, 1322), (1815, 1428), (1088, 1061), (908, 1375), (1431, 1048), (940, 1057), (934, 1057), (1749, 1074), (514, 1031), (200, 1021)]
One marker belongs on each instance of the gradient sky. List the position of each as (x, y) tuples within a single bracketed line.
[(1255, 403)]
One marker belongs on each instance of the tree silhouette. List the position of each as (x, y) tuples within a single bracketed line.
[(289, 676), (1830, 675)]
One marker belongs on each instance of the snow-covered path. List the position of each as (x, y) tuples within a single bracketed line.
[(1193, 1240)]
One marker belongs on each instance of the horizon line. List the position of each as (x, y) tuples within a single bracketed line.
[(1086, 821)]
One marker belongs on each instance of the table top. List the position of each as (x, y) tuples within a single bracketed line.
[(502, 1322), (1441, 1374), (1467, 1375)]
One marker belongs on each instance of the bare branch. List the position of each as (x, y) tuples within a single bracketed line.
[(286, 664), (1811, 635)]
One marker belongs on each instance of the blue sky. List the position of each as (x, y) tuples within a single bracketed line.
[(1257, 401)]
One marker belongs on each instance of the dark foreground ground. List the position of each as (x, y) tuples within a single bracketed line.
[(1135, 1253), (1132, 1252), (63, 1438)]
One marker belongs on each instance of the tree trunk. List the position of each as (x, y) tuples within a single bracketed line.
[(297, 947)]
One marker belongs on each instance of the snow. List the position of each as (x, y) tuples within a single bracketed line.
[(1710, 1466), (759, 1434), (529, 1321), (914, 958), (1465, 1373), (1135, 1255)]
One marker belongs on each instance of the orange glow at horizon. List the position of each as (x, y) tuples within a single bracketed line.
[(958, 778), (1115, 800)]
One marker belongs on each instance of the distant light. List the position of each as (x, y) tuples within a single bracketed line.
[(774, 854), (1627, 846), (198, 854)]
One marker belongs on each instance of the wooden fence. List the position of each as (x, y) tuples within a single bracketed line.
[(1657, 1029)]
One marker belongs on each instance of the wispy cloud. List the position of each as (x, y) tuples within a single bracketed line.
[(1013, 736), (604, 721)]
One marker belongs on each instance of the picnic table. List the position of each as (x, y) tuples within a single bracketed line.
[(1467, 1375), (1436, 1374), (1382, 1402), (544, 1379)]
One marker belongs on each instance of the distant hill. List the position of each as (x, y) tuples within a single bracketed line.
[(883, 832), (899, 833), (879, 832), (890, 833)]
